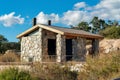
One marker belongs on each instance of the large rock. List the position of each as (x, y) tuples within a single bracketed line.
[(109, 45), (106, 46)]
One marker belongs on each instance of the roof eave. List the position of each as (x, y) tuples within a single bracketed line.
[(39, 26), (27, 31), (51, 29), (85, 36)]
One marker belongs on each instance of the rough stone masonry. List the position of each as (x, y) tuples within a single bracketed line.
[(34, 46)]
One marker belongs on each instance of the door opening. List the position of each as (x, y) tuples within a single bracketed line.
[(69, 49), (51, 47)]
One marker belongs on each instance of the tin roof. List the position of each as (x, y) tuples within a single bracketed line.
[(62, 31)]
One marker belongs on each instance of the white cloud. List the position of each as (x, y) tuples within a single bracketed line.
[(10, 19), (78, 14), (43, 18), (74, 17), (111, 4), (79, 5), (27, 17), (105, 9)]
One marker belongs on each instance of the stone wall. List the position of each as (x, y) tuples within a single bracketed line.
[(79, 49), (30, 49), (35, 47), (21, 67), (77, 66), (95, 46), (47, 35), (60, 48)]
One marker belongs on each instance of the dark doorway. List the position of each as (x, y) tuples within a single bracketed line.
[(52, 47), (68, 49)]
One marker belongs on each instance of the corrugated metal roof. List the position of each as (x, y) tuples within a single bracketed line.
[(66, 31), (74, 31)]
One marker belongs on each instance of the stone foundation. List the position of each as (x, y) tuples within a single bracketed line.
[(19, 66)]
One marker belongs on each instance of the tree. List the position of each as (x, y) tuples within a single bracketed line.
[(110, 28), (110, 23), (3, 39), (113, 23), (103, 24), (5, 45), (84, 26), (96, 24), (111, 32)]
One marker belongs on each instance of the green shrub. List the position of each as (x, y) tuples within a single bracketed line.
[(111, 32), (14, 74), (4, 46)]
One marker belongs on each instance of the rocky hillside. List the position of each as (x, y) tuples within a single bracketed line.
[(108, 45)]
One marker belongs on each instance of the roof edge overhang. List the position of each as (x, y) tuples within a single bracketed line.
[(27, 31), (37, 27), (85, 36), (58, 31), (51, 29)]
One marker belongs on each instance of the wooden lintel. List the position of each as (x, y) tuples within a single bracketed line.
[(70, 37)]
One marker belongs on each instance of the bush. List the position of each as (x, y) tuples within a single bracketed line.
[(103, 67), (10, 57), (4, 46), (111, 32), (53, 72), (14, 74)]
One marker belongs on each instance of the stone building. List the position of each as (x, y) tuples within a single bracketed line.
[(43, 43)]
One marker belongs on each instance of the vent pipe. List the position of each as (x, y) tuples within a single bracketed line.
[(49, 22), (34, 21)]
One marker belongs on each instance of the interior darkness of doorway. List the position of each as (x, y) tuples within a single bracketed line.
[(68, 49), (52, 48)]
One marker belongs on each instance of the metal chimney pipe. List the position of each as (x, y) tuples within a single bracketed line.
[(34, 21), (49, 22)]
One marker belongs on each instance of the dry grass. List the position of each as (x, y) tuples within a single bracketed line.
[(10, 57), (102, 67), (52, 72)]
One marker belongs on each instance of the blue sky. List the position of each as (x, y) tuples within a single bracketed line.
[(16, 15)]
